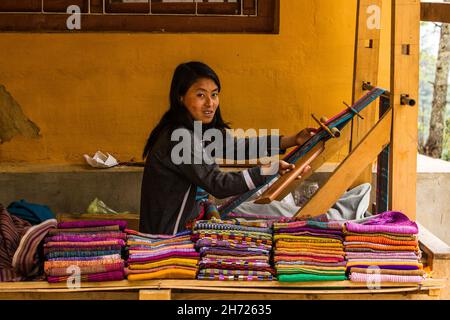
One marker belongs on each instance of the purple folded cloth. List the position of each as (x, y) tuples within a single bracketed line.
[(164, 256), (233, 252), (369, 255), (391, 221), (91, 223), (311, 263), (395, 267), (79, 238), (308, 229)]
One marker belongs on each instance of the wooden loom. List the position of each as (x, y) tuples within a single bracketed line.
[(392, 138)]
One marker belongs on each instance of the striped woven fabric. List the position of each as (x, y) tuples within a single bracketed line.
[(56, 231), (27, 258), (12, 229), (161, 256), (173, 267), (234, 249), (87, 236), (93, 247), (95, 277), (384, 248), (76, 254), (170, 273), (230, 236), (111, 256), (303, 277), (92, 223), (371, 278), (309, 250), (100, 268)]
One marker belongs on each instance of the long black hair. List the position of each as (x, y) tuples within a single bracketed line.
[(185, 75)]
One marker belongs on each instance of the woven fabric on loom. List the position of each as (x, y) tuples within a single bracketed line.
[(161, 256), (234, 250), (92, 248), (383, 249), (309, 250)]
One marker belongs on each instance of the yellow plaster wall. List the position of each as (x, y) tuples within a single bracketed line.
[(90, 92)]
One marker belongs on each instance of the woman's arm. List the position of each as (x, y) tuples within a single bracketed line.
[(298, 139)]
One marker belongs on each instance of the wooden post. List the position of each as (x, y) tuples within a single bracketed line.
[(404, 81), (367, 49)]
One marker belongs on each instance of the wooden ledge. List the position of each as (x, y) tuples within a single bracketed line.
[(432, 245), (256, 286)]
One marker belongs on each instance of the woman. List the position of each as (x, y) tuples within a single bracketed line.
[(169, 186)]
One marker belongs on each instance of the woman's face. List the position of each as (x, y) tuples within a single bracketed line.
[(202, 100)]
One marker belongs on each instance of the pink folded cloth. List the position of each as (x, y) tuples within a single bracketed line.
[(391, 222), (380, 278), (91, 223)]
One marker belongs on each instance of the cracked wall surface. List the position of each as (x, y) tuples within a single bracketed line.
[(12, 119)]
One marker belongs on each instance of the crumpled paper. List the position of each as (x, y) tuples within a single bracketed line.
[(100, 160)]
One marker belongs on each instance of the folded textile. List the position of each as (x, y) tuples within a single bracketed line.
[(392, 221), (390, 271), (91, 223), (75, 244), (77, 237), (176, 267), (100, 229), (27, 258), (162, 263), (330, 225), (79, 263), (371, 278), (309, 277), (228, 272), (12, 229), (170, 273), (93, 258), (163, 256), (100, 268), (381, 240), (95, 277), (80, 249), (71, 254), (222, 277)]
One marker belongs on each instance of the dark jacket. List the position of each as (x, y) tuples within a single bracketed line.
[(168, 189)]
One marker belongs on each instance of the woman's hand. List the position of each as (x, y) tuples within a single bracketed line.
[(297, 139), (304, 135), (285, 167)]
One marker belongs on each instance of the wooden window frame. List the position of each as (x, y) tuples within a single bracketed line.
[(101, 18)]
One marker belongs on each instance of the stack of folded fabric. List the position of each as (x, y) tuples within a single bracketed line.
[(161, 256), (309, 250), (234, 250), (89, 249), (384, 249)]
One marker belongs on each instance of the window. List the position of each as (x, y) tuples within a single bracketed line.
[(210, 16)]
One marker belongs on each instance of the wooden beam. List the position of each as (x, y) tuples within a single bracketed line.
[(165, 294), (365, 69), (404, 81), (347, 172), (435, 12)]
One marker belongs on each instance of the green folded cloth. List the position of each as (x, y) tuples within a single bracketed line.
[(300, 277)]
